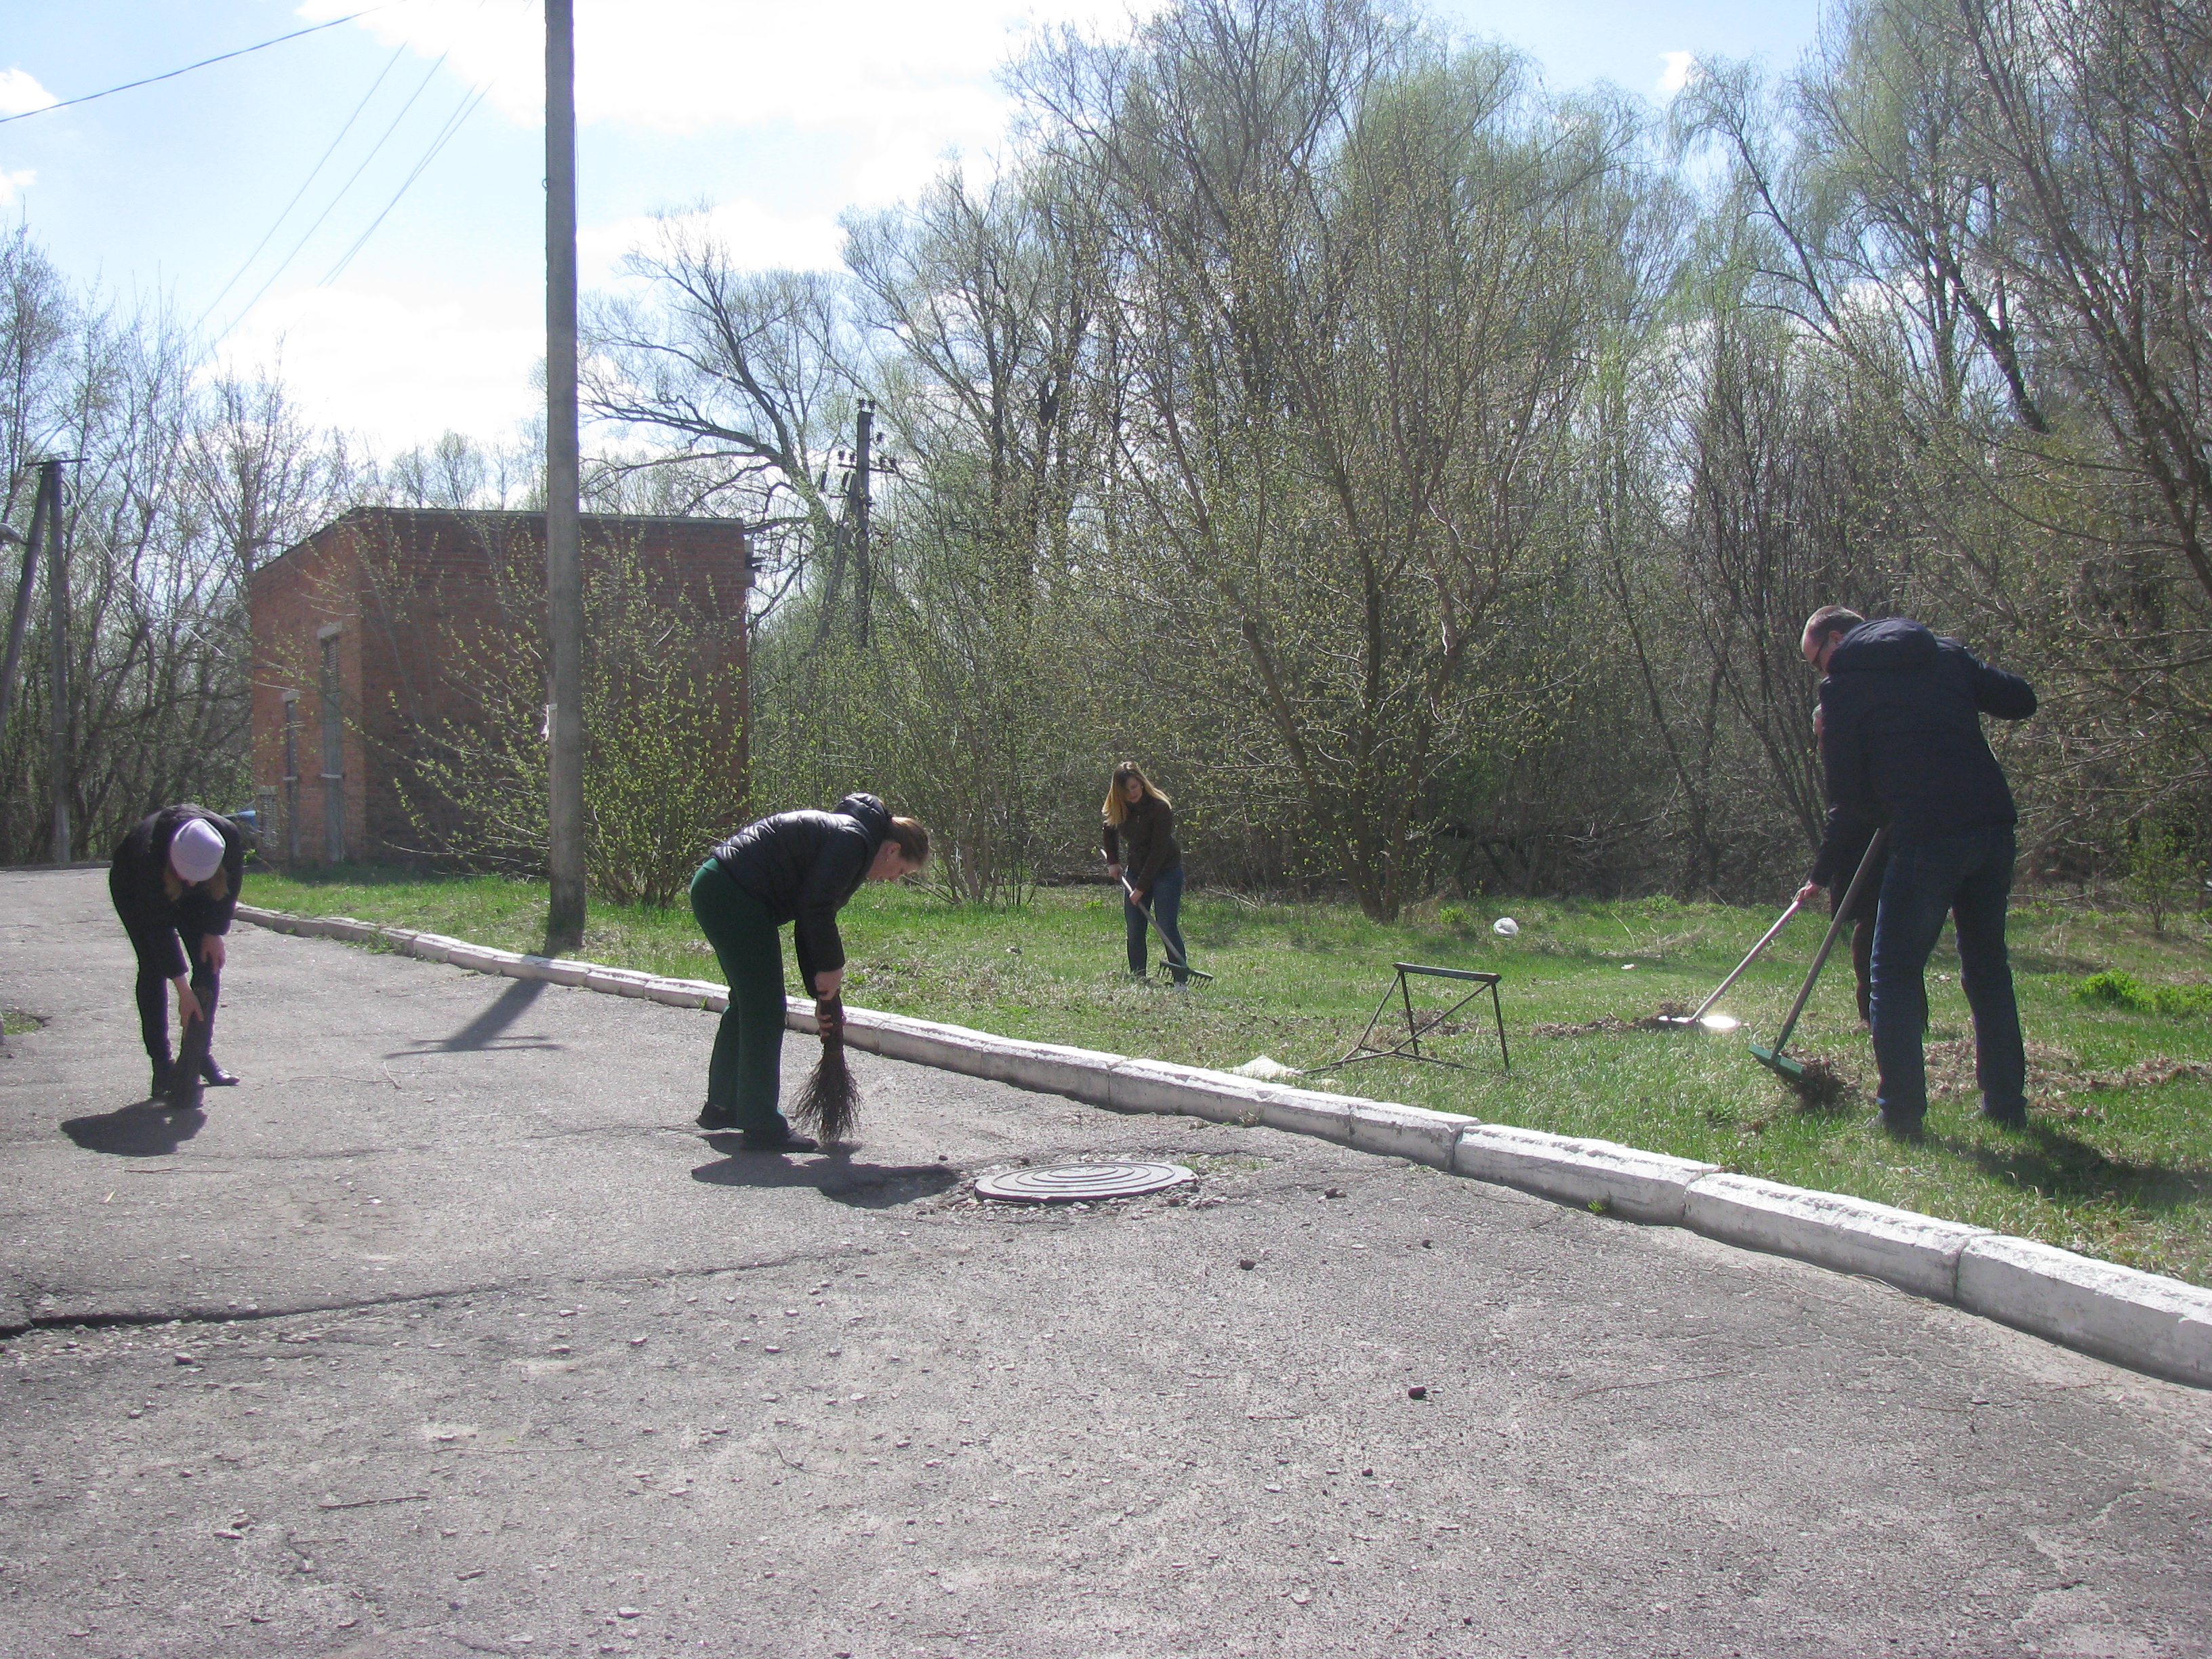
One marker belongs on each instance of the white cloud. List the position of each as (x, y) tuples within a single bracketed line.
[(1680, 66), (401, 370), (12, 184), (756, 238), (903, 82), (20, 92)]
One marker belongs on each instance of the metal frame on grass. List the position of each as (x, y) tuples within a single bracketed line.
[(1410, 1047)]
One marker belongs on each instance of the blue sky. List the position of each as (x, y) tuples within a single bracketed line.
[(774, 116)]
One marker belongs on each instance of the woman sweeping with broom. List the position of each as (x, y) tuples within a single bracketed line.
[(797, 868)]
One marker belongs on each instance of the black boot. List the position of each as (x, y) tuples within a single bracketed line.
[(214, 1076), (783, 1139), (163, 1070)]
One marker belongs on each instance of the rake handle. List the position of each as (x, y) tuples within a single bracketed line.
[(1750, 957), (1874, 852), (1174, 957)]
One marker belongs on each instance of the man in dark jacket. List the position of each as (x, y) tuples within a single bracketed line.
[(797, 868), (174, 880), (1901, 744)]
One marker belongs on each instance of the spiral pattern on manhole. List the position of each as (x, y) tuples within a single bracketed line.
[(1082, 1180)]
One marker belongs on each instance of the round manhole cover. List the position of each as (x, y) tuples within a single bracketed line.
[(1083, 1181)]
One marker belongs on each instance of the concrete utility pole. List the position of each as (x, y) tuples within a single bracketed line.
[(863, 572), (564, 581)]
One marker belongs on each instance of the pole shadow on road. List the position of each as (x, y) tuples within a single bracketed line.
[(137, 1131), (484, 1031), (835, 1176)]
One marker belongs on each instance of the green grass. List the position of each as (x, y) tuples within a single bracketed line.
[(2118, 1163)]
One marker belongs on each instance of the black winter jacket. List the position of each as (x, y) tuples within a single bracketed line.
[(1902, 743), (802, 866), (142, 897), (1147, 836)]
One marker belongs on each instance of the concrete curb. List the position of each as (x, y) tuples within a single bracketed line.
[(2141, 1320), (1914, 1252), (1602, 1174), (2144, 1320)]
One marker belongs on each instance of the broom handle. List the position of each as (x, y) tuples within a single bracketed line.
[(1764, 939), (1875, 849)]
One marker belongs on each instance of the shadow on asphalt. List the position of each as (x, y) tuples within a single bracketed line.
[(485, 1030), (139, 1131), (867, 1185)]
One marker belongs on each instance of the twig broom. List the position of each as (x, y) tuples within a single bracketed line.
[(830, 1104)]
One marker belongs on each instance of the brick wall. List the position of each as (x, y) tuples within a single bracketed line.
[(438, 619)]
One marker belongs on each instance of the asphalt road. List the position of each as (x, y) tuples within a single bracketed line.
[(467, 1344)]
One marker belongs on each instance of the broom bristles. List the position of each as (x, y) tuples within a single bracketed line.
[(830, 1102)]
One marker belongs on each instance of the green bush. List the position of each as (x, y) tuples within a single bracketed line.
[(2178, 1000), (2115, 988)]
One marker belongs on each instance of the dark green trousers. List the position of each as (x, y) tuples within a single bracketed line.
[(745, 1074)]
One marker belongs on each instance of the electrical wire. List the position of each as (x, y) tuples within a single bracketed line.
[(285, 264), (171, 75), (312, 173), (454, 123)]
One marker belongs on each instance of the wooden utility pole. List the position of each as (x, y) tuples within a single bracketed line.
[(564, 582), (58, 599)]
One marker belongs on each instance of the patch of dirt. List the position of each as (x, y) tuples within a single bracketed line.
[(2053, 1073), (1614, 1023), (1821, 1086)]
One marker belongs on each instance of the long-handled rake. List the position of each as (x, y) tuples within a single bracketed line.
[(1696, 1021), (1794, 1070), (1176, 958)]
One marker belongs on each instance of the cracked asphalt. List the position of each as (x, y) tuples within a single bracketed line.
[(446, 1335)]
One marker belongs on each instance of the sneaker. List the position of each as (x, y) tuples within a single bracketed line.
[(1910, 1129), (2010, 1117), (780, 1141), (712, 1116)]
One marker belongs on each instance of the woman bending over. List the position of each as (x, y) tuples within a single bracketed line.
[(796, 867)]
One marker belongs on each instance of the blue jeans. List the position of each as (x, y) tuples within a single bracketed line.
[(1967, 876), (1166, 902)]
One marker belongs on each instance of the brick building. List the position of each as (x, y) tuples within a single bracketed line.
[(377, 633)]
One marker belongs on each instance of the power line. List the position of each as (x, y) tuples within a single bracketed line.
[(312, 173), (454, 125), (172, 75), (283, 264)]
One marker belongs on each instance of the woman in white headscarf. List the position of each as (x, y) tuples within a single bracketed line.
[(175, 881)]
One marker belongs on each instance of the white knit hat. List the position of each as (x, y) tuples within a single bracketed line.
[(196, 851)]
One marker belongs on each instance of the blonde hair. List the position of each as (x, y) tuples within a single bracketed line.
[(1117, 803), (218, 885)]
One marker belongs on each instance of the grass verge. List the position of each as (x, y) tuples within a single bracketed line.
[(2118, 1161)]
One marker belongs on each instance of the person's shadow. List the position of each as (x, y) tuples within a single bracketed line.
[(140, 1130), (836, 1175)]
